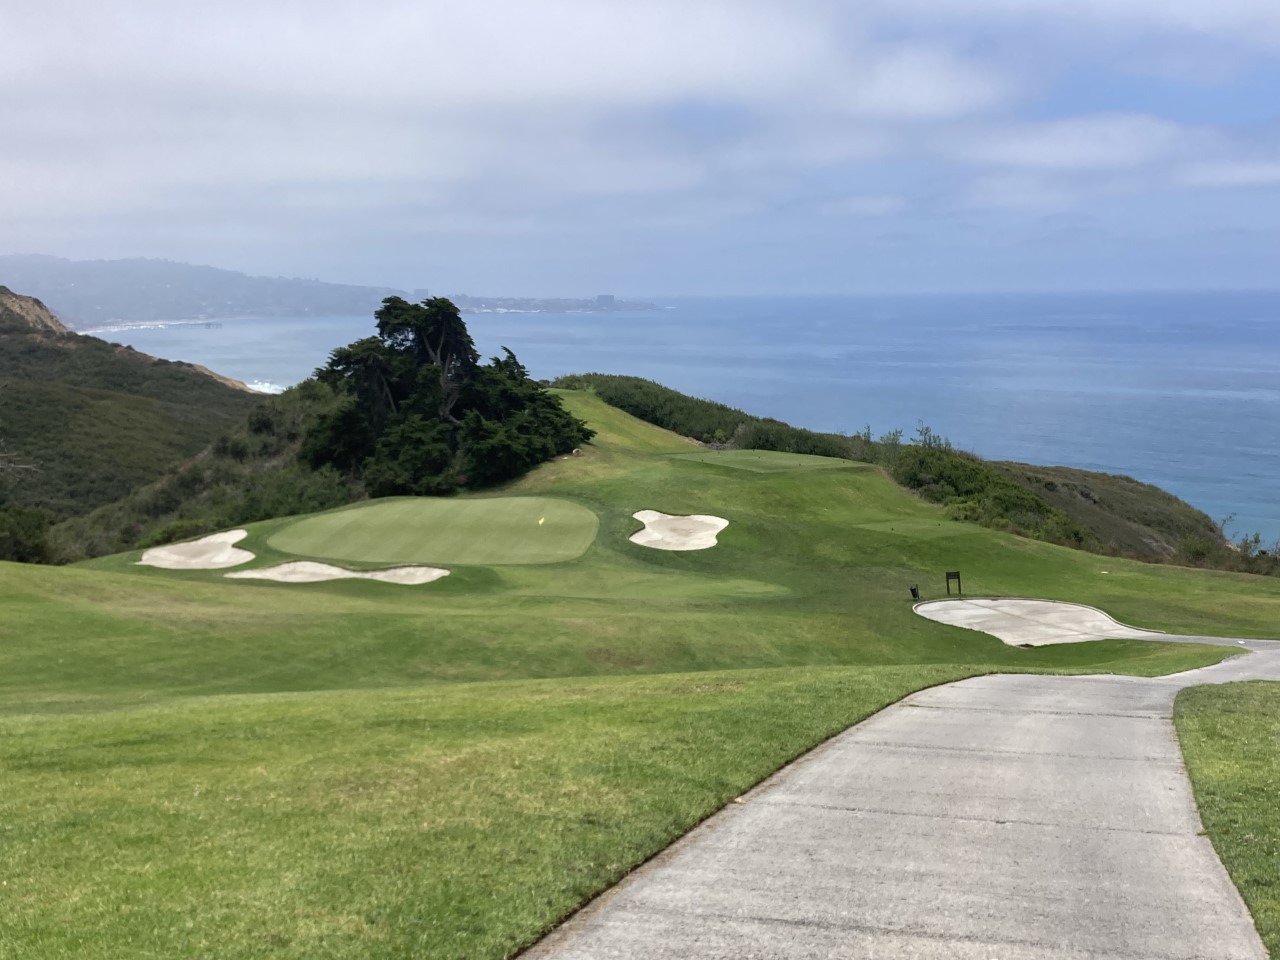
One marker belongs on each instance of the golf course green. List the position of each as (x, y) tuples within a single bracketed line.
[(441, 530), (201, 767)]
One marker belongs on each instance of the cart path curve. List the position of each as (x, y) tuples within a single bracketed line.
[(998, 818)]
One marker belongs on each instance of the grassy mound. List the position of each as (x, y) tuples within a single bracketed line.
[(501, 530), (201, 767)]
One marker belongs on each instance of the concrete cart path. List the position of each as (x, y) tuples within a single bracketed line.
[(998, 818)]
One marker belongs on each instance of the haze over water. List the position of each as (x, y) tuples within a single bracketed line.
[(1179, 390)]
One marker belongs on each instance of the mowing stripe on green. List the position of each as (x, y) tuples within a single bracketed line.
[(764, 461), (500, 530)]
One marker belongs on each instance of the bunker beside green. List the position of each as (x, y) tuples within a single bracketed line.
[(501, 530)]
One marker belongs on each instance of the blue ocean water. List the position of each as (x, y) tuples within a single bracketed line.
[(1181, 390)]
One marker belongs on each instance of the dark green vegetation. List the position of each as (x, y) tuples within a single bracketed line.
[(1129, 518), (250, 472), (1099, 512), (200, 767), (1230, 738), (83, 421), (409, 411), (418, 414)]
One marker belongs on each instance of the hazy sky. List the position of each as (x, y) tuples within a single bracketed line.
[(652, 146)]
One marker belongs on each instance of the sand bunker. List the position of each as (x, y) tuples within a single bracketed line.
[(1032, 623), (213, 552), (308, 571), (665, 532)]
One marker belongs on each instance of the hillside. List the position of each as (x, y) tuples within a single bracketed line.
[(1098, 512), (1127, 516), (89, 293), (88, 421), (197, 765), (411, 410)]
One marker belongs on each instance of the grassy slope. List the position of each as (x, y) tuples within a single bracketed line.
[(97, 420), (196, 768), (1230, 738), (1128, 517)]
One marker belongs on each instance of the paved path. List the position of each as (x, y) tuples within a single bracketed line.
[(998, 818)]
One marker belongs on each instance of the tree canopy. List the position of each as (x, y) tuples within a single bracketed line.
[(419, 413)]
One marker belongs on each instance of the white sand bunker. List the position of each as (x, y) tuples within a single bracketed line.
[(213, 552), (308, 571), (1032, 623), (663, 531)]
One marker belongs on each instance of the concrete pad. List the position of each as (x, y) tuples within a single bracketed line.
[(214, 552), (663, 531), (1032, 623)]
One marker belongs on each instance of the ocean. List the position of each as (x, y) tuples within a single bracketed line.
[(1180, 390)]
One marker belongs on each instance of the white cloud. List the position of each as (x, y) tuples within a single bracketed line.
[(1080, 143), (1019, 191), (1231, 174), (131, 105), (1247, 22), (864, 205)]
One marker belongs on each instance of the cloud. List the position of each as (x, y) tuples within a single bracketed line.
[(864, 205), (1105, 142), (1229, 173), (132, 106), (1253, 23), (270, 127), (1019, 191)]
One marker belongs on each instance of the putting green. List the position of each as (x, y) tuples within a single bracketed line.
[(764, 461), (444, 531)]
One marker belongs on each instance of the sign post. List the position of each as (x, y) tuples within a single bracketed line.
[(954, 575)]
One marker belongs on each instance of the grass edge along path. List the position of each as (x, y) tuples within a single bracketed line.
[(1230, 737), (445, 820)]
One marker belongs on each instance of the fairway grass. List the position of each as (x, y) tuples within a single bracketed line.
[(765, 461), (499, 530), (201, 767), (1230, 736)]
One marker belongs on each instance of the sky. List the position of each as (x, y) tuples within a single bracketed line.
[(573, 147)]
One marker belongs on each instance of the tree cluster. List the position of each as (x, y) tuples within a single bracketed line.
[(419, 414)]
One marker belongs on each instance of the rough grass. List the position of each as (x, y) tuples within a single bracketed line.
[(499, 530), (1230, 738), (207, 768)]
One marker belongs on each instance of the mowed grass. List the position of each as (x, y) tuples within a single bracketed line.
[(207, 768), (500, 530), (764, 461), (1230, 737)]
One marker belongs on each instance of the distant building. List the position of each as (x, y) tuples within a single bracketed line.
[(604, 300)]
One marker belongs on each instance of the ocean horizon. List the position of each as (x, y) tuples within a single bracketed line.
[(1181, 390)]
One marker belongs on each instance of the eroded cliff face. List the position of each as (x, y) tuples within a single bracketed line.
[(29, 312)]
